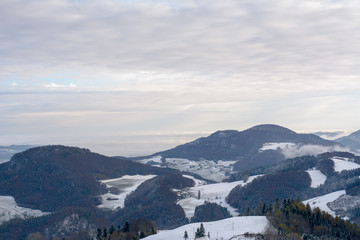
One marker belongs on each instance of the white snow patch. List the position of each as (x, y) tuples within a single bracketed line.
[(321, 201), (276, 145), (223, 229), (342, 164), (225, 163), (9, 210), (208, 169), (197, 181), (215, 193), (156, 159), (124, 185), (317, 178)]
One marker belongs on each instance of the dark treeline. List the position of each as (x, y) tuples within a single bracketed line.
[(295, 220), (135, 230)]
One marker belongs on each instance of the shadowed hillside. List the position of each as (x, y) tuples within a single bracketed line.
[(52, 177)]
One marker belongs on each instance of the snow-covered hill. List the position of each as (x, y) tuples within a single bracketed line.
[(119, 188), (322, 201), (223, 229), (342, 163), (211, 170), (317, 178), (215, 193), (9, 210)]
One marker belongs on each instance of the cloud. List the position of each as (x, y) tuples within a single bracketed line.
[(303, 150), (288, 41), (55, 85), (178, 65)]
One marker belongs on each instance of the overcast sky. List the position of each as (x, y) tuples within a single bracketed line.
[(141, 76)]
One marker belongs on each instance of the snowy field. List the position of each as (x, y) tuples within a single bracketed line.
[(276, 145), (342, 164), (155, 159), (9, 210), (211, 170), (215, 193), (196, 181), (120, 188), (223, 229), (317, 178), (321, 201)]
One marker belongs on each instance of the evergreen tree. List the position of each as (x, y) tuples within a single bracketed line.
[(112, 229), (98, 235), (200, 232), (126, 227), (186, 236), (105, 233), (142, 235)]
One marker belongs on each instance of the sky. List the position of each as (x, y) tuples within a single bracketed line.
[(134, 77)]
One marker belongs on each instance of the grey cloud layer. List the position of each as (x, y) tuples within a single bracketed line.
[(113, 66), (279, 37)]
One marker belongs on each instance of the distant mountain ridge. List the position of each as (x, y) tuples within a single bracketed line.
[(6, 152), (244, 146), (352, 141)]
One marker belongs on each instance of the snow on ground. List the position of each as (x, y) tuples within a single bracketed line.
[(211, 170), (215, 193), (276, 145), (155, 159), (197, 181), (321, 201), (344, 164), (216, 171), (223, 229), (225, 163), (120, 188), (9, 210), (317, 178)]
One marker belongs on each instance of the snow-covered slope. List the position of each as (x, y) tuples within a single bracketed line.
[(276, 145), (9, 210), (215, 193), (223, 229), (317, 178), (342, 164), (211, 170), (322, 201), (119, 188), (156, 161)]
